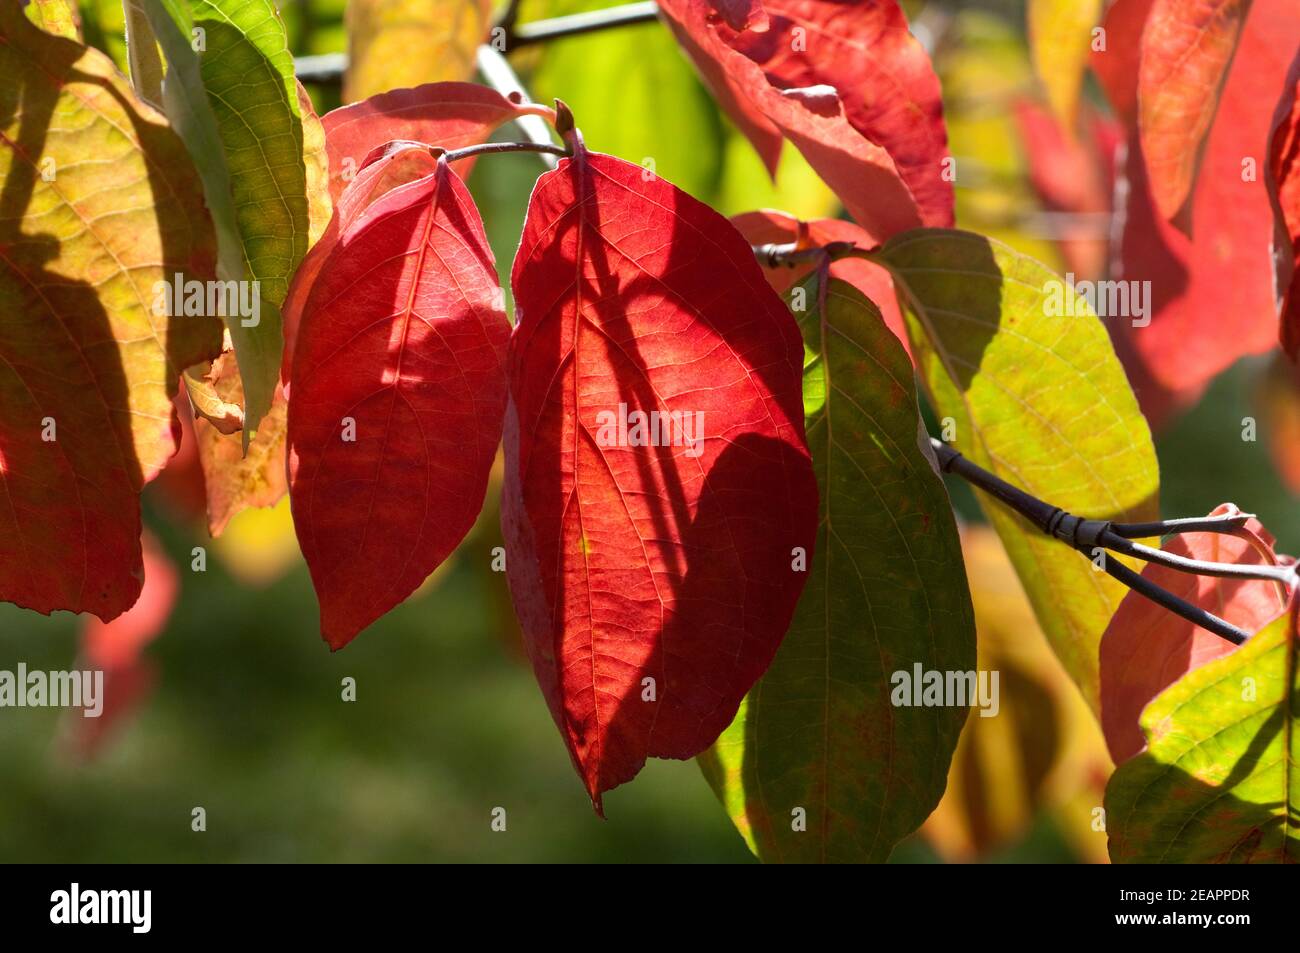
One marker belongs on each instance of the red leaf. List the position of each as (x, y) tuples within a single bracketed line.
[(1186, 48), (1212, 295), (1147, 648), (777, 228), (883, 75), (404, 335), (450, 115), (815, 117), (1284, 176), (1116, 64), (372, 181), (669, 562)]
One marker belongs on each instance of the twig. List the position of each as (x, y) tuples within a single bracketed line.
[(1088, 535), (540, 31), (490, 148), (330, 67)]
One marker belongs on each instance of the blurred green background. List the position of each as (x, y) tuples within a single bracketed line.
[(247, 718)]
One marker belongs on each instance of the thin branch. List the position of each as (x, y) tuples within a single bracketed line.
[(541, 31), (1283, 574), (790, 254), (1163, 597), (491, 148), (1228, 523), (330, 67), (1088, 535)]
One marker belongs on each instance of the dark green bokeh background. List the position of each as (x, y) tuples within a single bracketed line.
[(247, 719)]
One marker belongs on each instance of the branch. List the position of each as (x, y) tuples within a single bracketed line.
[(496, 72), (329, 68), (491, 148), (541, 31), (1087, 535)]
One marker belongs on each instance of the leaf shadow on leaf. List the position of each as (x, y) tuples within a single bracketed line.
[(1190, 821), (700, 662), (72, 311)]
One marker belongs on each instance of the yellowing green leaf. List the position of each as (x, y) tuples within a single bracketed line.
[(819, 764), (1219, 781), (246, 138), (398, 43), (1038, 398)]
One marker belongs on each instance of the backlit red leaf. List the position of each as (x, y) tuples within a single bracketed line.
[(1115, 61), (397, 398), (884, 79), (1211, 295), (1147, 648), (372, 181), (654, 583), (450, 115), (1186, 48), (1284, 180), (812, 106)]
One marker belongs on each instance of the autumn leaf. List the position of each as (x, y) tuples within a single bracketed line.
[(821, 764), (235, 103), (450, 115), (58, 17), (815, 118), (397, 399), (236, 478), (651, 559), (1060, 37), (394, 43), (1146, 648), (1024, 374), (1195, 323), (1187, 46), (888, 89), (100, 203), (373, 182), (1115, 61), (238, 475), (1218, 781), (1284, 190)]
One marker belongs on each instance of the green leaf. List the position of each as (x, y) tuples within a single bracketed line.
[(1219, 781), (887, 591), (246, 138), (635, 96), (1040, 400)]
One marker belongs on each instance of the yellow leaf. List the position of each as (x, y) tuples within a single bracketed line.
[(399, 43)]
